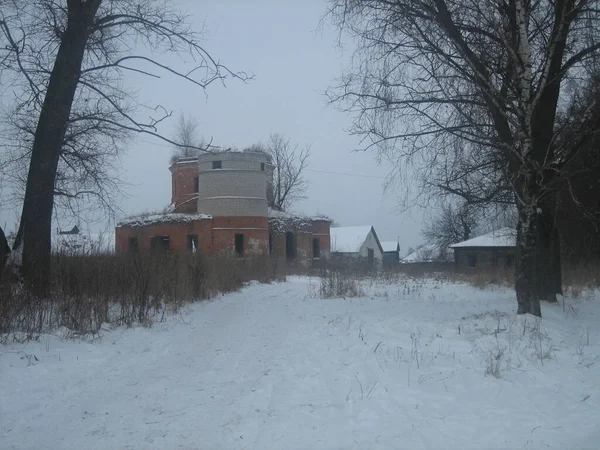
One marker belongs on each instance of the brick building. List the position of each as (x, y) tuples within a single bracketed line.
[(219, 203)]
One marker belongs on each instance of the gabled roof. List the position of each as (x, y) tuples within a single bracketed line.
[(390, 246), (504, 237), (351, 239), (426, 253)]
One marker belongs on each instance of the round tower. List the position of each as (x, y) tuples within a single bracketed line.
[(232, 188), (232, 184)]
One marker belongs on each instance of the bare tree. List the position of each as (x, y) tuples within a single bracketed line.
[(87, 180), (471, 90), (189, 142), (452, 224), (289, 164), (77, 52), (4, 251)]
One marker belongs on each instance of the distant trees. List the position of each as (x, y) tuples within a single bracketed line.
[(188, 141), (578, 210), (452, 224), (67, 61), (471, 96), (290, 162)]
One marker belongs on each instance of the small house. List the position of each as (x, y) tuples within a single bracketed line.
[(357, 243), (428, 253), (495, 249), (391, 253)]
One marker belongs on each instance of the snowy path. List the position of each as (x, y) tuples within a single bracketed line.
[(273, 367)]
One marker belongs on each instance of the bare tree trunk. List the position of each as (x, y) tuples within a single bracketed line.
[(557, 263), (549, 250), (4, 252), (36, 219), (538, 273), (527, 282)]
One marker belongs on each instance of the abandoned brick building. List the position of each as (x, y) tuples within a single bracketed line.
[(219, 204)]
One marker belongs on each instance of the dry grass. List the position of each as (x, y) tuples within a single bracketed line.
[(579, 277), (88, 291), (336, 284), (576, 278)]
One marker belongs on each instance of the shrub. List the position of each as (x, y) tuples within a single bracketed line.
[(89, 290)]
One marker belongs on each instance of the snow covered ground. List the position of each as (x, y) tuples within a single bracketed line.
[(274, 367)]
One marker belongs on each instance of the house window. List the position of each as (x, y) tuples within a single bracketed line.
[(316, 248), (270, 243), (217, 165), (193, 243), (370, 256), (196, 185), (160, 243), (133, 244), (471, 260), (239, 244), (262, 166)]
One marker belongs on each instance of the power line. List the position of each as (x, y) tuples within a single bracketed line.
[(157, 144), (346, 174)]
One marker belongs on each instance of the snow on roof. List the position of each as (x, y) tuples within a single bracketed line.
[(280, 220), (504, 237), (275, 214), (427, 252), (389, 246), (153, 219), (349, 239)]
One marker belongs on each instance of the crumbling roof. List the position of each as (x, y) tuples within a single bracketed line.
[(350, 239), (281, 220), (153, 219), (274, 213), (504, 237)]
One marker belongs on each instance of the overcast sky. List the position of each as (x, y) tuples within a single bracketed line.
[(293, 61)]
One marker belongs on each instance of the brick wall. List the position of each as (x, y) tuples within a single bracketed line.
[(303, 241), (183, 193), (254, 229), (321, 230), (178, 235)]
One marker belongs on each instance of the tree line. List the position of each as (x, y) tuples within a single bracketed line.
[(492, 102)]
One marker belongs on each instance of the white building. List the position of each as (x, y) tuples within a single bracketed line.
[(357, 242)]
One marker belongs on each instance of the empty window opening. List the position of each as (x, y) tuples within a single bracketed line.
[(133, 244), (239, 244), (370, 256), (290, 245), (196, 185), (262, 166), (160, 243), (193, 243), (471, 260), (316, 248), (217, 165)]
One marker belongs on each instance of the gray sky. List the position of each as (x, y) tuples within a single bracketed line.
[(293, 61)]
